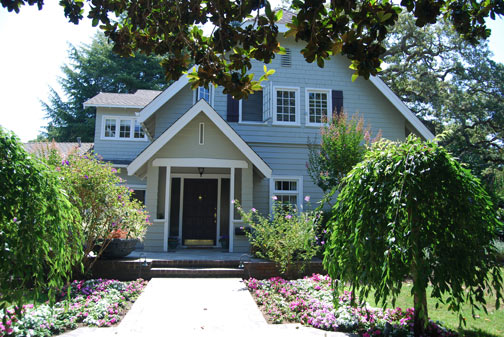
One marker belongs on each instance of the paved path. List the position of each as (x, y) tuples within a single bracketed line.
[(197, 307)]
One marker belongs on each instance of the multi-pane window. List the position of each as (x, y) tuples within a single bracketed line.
[(139, 133), (110, 128), (287, 190), (203, 93), (122, 128), (318, 106), (125, 128), (286, 106)]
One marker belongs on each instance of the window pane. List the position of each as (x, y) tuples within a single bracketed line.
[(285, 185), (139, 133), (110, 128), (286, 106), (125, 129), (204, 93), (287, 199), (317, 107)]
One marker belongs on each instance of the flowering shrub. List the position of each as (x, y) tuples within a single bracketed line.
[(343, 143), (309, 301), (92, 303), (284, 237), (107, 208)]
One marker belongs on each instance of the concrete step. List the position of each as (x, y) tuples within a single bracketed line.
[(195, 264), (196, 272)]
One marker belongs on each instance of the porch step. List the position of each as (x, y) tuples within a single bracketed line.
[(196, 272), (195, 263)]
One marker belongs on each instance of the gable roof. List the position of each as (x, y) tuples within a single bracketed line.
[(137, 100), (201, 107)]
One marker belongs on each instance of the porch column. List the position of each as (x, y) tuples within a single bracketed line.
[(231, 209), (166, 231), (247, 188), (152, 190)]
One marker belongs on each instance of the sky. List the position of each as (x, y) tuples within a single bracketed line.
[(33, 47)]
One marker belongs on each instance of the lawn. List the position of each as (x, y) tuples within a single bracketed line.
[(85, 303), (491, 325), (309, 301)]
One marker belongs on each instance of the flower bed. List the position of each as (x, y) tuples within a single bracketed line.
[(91, 303), (309, 301)]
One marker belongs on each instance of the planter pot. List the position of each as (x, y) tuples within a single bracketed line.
[(173, 244), (118, 248), (224, 244)]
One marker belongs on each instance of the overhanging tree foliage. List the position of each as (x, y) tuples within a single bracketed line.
[(40, 230), (457, 87), (351, 27), (411, 210), (92, 69)]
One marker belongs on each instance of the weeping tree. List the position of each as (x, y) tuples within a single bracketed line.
[(410, 210)]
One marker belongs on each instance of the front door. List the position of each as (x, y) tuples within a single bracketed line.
[(199, 220)]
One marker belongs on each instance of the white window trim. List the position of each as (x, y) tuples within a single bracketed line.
[(201, 134), (273, 192), (240, 121), (118, 124), (211, 94), (307, 105), (298, 118)]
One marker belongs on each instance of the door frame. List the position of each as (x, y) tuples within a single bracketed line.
[(183, 176)]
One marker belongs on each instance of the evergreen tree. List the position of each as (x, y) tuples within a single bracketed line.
[(92, 69)]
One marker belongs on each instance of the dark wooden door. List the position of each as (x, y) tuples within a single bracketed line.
[(199, 219)]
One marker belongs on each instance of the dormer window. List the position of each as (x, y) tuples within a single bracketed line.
[(122, 127)]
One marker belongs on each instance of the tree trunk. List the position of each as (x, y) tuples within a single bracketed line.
[(420, 318)]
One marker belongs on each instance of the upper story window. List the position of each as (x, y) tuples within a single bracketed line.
[(318, 106), (286, 106), (204, 93), (124, 128)]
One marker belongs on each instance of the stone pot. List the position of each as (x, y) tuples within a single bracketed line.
[(118, 248)]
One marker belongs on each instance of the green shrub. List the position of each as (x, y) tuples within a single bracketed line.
[(40, 233), (107, 207), (285, 237)]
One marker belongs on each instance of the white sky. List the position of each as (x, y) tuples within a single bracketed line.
[(33, 47)]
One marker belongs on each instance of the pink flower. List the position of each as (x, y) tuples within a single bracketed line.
[(253, 210), (307, 198), (288, 216), (233, 201), (274, 197)]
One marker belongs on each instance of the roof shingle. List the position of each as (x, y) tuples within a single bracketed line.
[(138, 100)]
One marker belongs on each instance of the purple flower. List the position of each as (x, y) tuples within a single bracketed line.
[(288, 216), (322, 242), (113, 170), (86, 176), (307, 198), (114, 224), (253, 210), (274, 197), (15, 219)]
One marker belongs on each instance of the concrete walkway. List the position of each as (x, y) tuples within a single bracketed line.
[(197, 307)]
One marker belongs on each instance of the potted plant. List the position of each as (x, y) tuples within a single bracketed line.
[(173, 242), (224, 241), (117, 244)]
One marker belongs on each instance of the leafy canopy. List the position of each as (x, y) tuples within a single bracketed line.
[(457, 88), (92, 69), (351, 27), (40, 234), (411, 210)]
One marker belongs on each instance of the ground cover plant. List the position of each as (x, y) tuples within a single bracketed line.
[(92, 303), (309, 301)]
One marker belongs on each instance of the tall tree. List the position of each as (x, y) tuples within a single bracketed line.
[(454, 86), (92, 69), (353, 28)]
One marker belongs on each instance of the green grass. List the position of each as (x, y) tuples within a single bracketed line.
[(483, 325)]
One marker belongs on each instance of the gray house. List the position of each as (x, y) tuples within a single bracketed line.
[(189, 153)]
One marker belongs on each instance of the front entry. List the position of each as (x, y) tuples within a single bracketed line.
[(199, 220)]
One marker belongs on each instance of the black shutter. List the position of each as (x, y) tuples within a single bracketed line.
[(337, 101), (233, 107)]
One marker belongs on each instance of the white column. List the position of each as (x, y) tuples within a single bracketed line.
[(167, 209), (231, 209)]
